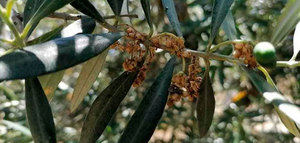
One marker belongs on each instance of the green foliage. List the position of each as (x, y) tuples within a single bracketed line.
[(172, 16)]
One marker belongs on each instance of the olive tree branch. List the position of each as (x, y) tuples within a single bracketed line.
[(290, 64), (66, 16)]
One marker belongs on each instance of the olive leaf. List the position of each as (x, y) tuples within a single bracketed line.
[(289, 113), (145, 119), (88, 75), (86, 7), (35, 10), (116, 6), (205, 105), (286, 22), (84, 25), (172, 16), (220, 10), (105, 106), (46, 37), (228, 26), (55, 55), (147, 11), (296, 41), (39, 112)]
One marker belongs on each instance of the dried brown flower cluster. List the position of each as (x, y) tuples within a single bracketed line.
[(186, 85), (244, 51), (132, 44), (169, 42)]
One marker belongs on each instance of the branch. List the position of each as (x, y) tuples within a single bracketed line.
[(290, 64), (66, 16)]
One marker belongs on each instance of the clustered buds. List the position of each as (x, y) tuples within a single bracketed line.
[(186, 85), (245, 51)]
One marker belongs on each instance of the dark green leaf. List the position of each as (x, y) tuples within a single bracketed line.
[(47, 36), (289, 113), (172, 15), (35, 10), (229, 26), (147, 11), (86, 7), (220, 10), (104, 107), (286, 22), (54, 55), (116, 6), (205, 105), (39, 112), (145, 119)]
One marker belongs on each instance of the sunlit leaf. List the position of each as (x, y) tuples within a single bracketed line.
[(39, 112), (50, 82), (205, 106), (172, 16), (296, 41), (105, 106), (88, 75), (289, 113), (47, 36), (286, 22), (220, 10), (55, 55), (145, 119), (35, 10), (228, 26)]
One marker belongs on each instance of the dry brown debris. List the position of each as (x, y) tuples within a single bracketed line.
[(244, 51)]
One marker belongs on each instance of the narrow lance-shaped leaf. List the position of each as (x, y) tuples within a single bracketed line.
[(286, 22), (86, 7), (89, 73), (47, 36), (105, 106), (39, 112), (229, 26), (85, 25), (145, 119), (35, 10), (55, 55), (220, 10), (116, 6), (147, 11), (288, 112), (172, 16), (205, 105), (296, 41)]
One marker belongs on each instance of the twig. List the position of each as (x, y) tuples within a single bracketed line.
[(66, 16), (290, 64)]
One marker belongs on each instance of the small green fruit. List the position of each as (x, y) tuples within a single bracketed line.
[(265, 54)]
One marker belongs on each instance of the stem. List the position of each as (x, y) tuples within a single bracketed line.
[(9, 6), (213, 56), (226, 43), (290, 64), (66, 16), (183, 64), (6, 41), (7, 20), (268, 77)]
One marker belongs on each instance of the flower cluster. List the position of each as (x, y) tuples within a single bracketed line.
[(244, 51), (186, 85)]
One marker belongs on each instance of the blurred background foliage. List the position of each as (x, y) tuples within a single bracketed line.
[(241, 114)]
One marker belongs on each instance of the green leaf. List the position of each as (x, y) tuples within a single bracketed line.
[(35, 10), (296, 41), (86, 7), (288, 112), (16, 126), (286, 22), (145, 119), (229, 26), (50, 82), (205, 105), (55, 55), (47, 36), (105, 106), (172, 16), (88, 75), (147, 11), (84, 25), (220, 10), (39, 112), (116, 6)]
